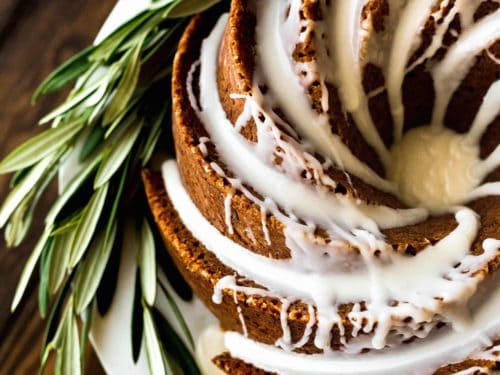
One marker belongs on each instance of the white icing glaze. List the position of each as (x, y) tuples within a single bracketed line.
[(491, 188), (209, 345), (345, 46), (440, 29), (242, 321), (250, 235), (203, 145), (474, 371), (489, 354), (240, 315), (227, 212), (263, 219), (412, 359), (435, 168), (411, 21), (492, 56), (490, 108), (451, 71), (421, 279)]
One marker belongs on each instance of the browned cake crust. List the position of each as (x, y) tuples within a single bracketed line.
[(201, 269), (234, 366)]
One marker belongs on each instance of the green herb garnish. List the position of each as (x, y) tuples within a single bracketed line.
[(112, 121)]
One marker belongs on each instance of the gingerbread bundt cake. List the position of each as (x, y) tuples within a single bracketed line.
[(335, 196)]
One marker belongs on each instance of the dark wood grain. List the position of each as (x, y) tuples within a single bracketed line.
[(7, 9), (35, 36)]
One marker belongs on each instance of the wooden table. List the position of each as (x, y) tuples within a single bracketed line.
[(35, 37)]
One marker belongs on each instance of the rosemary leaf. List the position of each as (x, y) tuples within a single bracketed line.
[(160, 4), (109, 46), (150, 146), (137, 324), (43, 291), (171, 362), (154, 41), (24, 188), (123, 121), (94, 72), (53, 326), (18, 177), (113, 104), (178, 315), (86, 227), (174, 345), (147, 264), (19, 222), (71, 347), (143, 33), (29, 267), (117, 154), (40, 146), (106, 291), (92, 142), (66, 73), (68, 224), (153, 345), (174, 277), (71, 103), (86, 316), (99, 101), (71, 189), (59, 261), (59, 364), (99, 108), (118, 196), (59, 335), (186, 8), (152, 139), (127, 84), (92, 268), (106, 81)]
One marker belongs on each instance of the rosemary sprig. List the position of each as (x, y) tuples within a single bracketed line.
[(112, 120)]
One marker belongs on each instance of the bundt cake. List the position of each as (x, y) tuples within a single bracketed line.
[(335, 195)]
